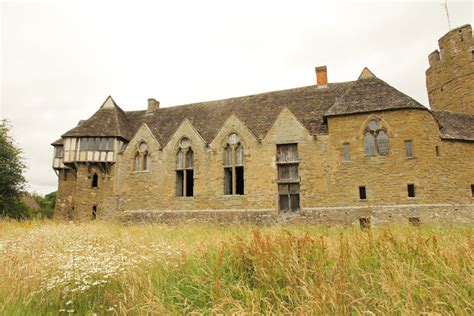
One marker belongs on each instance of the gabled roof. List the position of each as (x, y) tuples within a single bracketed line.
[(371, 95), (109, 121), (258, 112), (456, 126), (58, 142)]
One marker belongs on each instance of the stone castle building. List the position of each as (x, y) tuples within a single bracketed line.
[(334, 152)]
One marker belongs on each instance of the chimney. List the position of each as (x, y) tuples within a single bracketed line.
[(153, 105), (321, 76)]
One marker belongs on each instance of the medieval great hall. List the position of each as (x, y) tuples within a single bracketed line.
[(334, 152)]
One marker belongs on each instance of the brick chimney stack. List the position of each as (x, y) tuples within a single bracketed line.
[(321, 76), (153, 105)]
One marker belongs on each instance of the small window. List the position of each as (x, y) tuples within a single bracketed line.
[(437, 151), (146, 161), (94, 212), (59, 152), (409, 148), (472, 190), (362, 193), (95, 181), (411, 190), (346, 152), (137, 162)]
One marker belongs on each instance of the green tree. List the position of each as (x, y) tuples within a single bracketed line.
[(46, 204), (12, 181)]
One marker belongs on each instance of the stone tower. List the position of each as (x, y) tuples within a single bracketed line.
[(450, 77)]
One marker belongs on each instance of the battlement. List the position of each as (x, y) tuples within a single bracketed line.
[(450, 77), (456, 43)]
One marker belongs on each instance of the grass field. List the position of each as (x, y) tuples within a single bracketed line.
[(106, 269)]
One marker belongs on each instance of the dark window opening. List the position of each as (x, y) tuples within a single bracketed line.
[(189, 182), (179, 183), (64, 175), (411, 190), (415, 221), (289, 197), (472, 190), (94, 212), (437, 151), (364, 223), (362, 193), (227, 180), (239, 180), (233, 166), (95, 181)]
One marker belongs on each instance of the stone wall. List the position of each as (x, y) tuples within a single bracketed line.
[(326, 180), (76, 197), (450, 78)]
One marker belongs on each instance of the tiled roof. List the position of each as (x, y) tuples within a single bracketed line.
[(258, 112), (456, 126), (371, 95)]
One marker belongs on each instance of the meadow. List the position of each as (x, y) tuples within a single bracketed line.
[(99, 268)]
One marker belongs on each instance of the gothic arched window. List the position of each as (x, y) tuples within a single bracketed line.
[(375, 139), (142, 158), (185, 169), (233, 166)]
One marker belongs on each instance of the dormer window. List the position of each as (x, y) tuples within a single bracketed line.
[(375, 139), (142, 158)]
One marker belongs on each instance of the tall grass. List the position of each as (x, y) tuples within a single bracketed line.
[(104, 268)]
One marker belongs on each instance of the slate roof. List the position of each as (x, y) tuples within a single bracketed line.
[(109, 121), (456, 126), (311, 105), (371, 95), (258, 112)]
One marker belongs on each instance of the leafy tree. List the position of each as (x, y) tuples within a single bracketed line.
[(12, 181), (46, 204)]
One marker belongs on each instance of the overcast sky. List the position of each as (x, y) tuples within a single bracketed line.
[(61, 59)]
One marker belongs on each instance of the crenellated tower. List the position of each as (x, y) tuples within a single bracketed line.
[(450, 77)]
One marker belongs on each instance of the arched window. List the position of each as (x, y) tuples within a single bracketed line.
[(95, 181), (233, 166), (142, 158), (375, 139), (185, 169)]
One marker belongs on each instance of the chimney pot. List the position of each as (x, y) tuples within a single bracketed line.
[(321, 76), (153, 105)]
